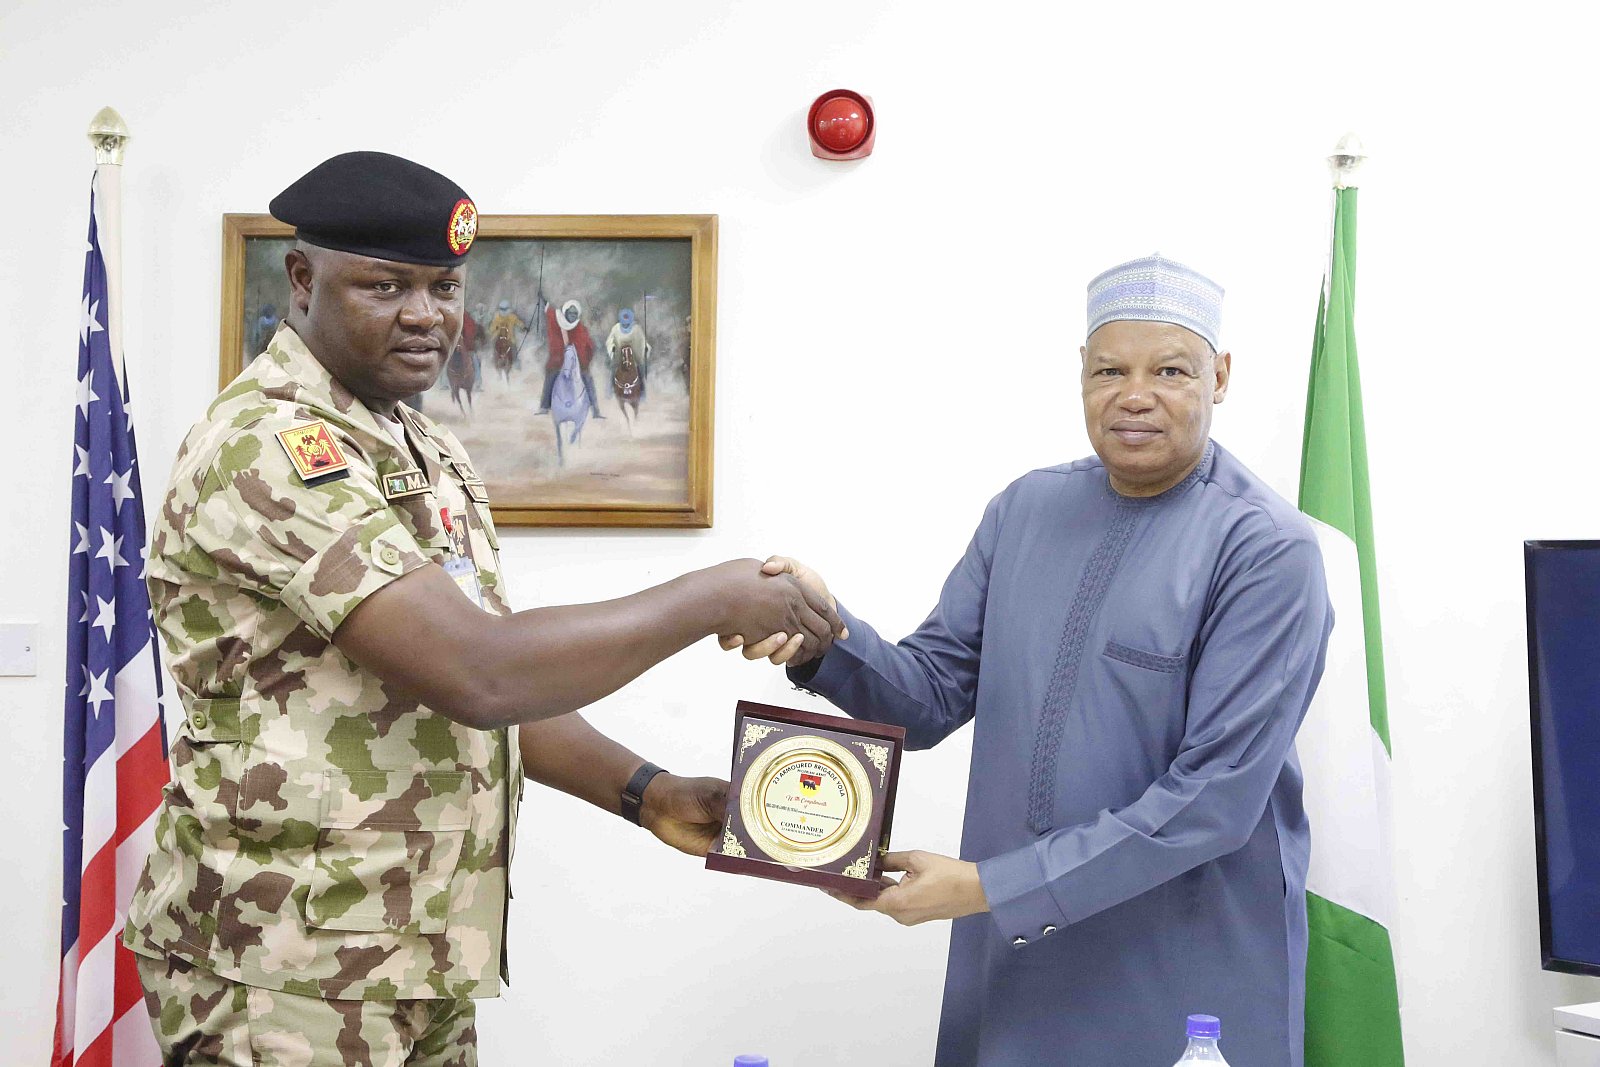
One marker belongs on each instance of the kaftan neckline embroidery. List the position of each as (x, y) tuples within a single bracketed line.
[(1201, 470)]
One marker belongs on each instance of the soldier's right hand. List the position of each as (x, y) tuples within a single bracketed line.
[(772, 648), (795, 618)]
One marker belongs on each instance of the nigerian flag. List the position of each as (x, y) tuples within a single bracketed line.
[(1352, 998)]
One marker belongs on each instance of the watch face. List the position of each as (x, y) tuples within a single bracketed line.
[(806, 801)]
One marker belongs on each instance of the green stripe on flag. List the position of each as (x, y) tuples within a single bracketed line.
[(1333, 456), (1352, 1009)]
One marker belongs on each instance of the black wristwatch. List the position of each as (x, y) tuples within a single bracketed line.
[(633, 792)]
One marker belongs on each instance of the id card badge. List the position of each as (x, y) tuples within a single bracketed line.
[(460, 567), (465, 575)]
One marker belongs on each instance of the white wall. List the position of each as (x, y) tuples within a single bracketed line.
[(1020, 152)]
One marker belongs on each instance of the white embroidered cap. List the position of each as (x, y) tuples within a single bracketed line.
[(1154, 289)]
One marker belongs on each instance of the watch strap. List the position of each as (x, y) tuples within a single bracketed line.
[(633, 792)]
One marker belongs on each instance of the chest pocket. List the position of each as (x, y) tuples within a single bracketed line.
[(1150, 661), (1151, 686), (388, 844)]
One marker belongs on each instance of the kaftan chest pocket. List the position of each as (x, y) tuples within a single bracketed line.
[(1150, 661), (387, 846), (1149, 684)]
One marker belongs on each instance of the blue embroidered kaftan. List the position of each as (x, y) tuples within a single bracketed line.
[(1136, 670)]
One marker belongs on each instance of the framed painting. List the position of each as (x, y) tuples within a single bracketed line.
[(583, 382)]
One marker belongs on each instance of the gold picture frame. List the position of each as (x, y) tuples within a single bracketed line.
[(663, 479)]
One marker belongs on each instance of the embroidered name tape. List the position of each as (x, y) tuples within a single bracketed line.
[(312, 450), (404, 483)]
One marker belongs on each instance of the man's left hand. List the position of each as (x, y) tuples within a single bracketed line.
[(934, 887), (685, 813)]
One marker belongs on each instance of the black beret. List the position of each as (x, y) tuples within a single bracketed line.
[(378, 205)]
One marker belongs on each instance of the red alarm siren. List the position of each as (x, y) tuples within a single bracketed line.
[(841, 125)]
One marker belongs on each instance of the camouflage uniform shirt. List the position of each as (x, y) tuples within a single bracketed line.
[(319, 836)]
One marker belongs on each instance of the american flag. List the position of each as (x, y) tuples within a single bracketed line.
[(115, 753)]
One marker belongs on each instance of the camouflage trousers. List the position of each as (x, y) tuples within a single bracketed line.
[(202, 1019)]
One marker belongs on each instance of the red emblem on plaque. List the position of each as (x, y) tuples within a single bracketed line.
[(463, 226), (810, 782)]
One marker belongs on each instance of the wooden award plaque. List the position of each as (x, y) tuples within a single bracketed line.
[(811, 799)]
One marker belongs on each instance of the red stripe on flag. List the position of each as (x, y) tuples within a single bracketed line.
[(98, 1054), (97, 907), (61, 1048), (128, 990), (141, 772)]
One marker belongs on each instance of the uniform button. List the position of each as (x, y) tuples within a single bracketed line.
[(1018, 942), (199, 720), (1048, 930), (389, 554)]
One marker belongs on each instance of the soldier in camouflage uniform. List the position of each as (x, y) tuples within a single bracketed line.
[(329, 882)]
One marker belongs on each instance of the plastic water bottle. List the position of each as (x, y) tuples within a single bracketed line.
[(1204, 1033)]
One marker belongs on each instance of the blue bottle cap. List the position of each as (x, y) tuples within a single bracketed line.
[(1205, 1026), (750, 1061)]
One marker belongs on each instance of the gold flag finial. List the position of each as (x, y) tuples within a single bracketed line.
[(108, 133), (1348, 155)]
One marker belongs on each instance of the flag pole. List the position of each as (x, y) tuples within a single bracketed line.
[(1348, 155), (1346, 160), (1353, 1016), (114, 755), (109, 135)]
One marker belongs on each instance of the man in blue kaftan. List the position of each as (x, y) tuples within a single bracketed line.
[(1136, 637)]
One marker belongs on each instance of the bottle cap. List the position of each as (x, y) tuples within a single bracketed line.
[(749, 1061), (1205, 1026)]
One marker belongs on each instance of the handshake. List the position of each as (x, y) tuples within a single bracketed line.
[(782, 612), (790, 603)]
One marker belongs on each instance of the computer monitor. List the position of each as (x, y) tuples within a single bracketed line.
[(1563, 591)]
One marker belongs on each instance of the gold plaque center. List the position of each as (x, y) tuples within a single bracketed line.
[(806, 801)]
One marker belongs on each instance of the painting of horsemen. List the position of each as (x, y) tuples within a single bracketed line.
[(582, 380)]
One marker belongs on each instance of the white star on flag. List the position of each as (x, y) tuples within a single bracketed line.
[(120, 490), (86, 393), (83, 541), (110, 549), (94, 687), (90, 323), (107, 618), (85, 616), (82, 468)]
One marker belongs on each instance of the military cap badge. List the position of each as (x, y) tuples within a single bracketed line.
[(463, 226), (312, 450)]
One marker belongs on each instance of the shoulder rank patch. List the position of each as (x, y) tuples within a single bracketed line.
[(404, 483), (312, 450)]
